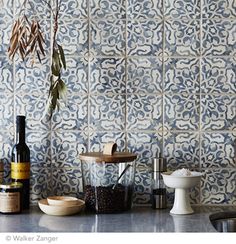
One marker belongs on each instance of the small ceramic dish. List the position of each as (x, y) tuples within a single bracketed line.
[(61, 210), (63, 201)]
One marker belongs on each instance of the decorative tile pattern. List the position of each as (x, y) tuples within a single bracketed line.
[(108, 37), (76, 75), (218, 9), (218, 112), (6, 144), (73, 114), (6, 74), (144, 75), (218, 186), (181, 112), (73, 9), (182, 37), (182, 9), (182, 75), (145, 37), (39, 183), (107, 112), (67, 182), (39, 143), (66, 147), (219, 75), (107, 75), (144, 112), (97, 140), (30, 79), (144, 9), (182, 150), (218, 150), (73, 35), (33, 106), (7, 111), (5, 26), (107, 9), (219, 37)]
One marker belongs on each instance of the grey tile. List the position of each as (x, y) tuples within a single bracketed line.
[(218, 112), (144, 112), (218, 150)]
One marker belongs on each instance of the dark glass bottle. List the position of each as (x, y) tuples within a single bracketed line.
[(20, 165)]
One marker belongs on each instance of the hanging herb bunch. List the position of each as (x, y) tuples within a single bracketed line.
[(27, 40)]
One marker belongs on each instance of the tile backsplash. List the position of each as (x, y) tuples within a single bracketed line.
[(152, 75)]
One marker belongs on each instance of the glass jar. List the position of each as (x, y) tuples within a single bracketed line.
[(10, 198), (108, 181)]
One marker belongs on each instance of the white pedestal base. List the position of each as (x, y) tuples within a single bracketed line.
[(181, 203)]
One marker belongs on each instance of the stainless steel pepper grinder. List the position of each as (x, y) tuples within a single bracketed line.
[(158, 198)]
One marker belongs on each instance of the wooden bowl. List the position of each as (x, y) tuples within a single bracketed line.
[(61, 210), (62, 201)]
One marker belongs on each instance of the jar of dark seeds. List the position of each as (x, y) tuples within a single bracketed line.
[(108, 181)]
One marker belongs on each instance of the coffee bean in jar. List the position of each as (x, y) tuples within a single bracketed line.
[(10, 198), (108, 200), (1, 171)]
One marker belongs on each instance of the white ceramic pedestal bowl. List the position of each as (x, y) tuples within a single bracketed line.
[(181, 185)]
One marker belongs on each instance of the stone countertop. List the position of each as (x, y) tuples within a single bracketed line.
[(139, 219)]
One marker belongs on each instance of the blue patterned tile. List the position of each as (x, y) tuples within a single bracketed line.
[(182, 150), (144, 9), (182, 9), (146, 145), (182, 75), (32, 79), (145, 37), (219, 37), (73, 9), (33, 106), (108, 37), (6, 22), (6, 74), (144, 112), (182, 37), (218, 186), (73, 35), (73, 114), (76, 75), (39, 183), (218, 112), (144, 75), (107, 112), (6, 144), (219, 75), (67, 182), (39, 143), (66, 147), (107, 75), (105, 9), (218, 9), (6, 111), (218, 150), (99, 139), (181, 112), (36, 9)]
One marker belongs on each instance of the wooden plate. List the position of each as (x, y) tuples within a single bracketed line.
[(61, 210)]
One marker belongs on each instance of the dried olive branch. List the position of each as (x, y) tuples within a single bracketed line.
[(27, 40)]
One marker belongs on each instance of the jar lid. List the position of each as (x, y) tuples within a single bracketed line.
[(116, 157), (14, 185)]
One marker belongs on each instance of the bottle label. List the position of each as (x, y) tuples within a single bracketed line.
[(9, 202), (20, 171)]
